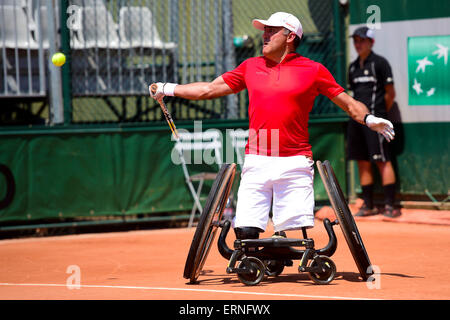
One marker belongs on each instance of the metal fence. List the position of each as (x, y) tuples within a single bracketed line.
[(140, 42), (116, 48)]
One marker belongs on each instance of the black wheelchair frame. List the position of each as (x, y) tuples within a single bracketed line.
[(253, 259)]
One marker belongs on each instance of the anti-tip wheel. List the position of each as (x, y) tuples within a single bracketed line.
[(254, 271), (326, 276)]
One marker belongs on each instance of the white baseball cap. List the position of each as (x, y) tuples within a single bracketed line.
[(280, 19)]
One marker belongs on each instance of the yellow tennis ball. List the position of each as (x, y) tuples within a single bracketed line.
[(58, 59)]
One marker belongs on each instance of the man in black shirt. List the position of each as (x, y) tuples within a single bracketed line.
[(370, 79)]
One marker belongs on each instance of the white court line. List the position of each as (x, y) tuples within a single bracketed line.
[(84, 236), (188, 289)]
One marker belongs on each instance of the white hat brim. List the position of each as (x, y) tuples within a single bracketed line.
[(260, 24)]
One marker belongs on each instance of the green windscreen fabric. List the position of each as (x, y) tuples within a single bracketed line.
[(116, 174), (92, 175)]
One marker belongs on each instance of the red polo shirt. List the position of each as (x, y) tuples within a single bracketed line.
[(281, 97)]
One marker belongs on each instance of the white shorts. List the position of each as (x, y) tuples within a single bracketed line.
[(285, 181)]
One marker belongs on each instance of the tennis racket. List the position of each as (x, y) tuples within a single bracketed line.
[(166, 113)]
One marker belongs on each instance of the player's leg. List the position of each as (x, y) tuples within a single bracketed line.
[(293, 202), (254, 196), (247, 232)]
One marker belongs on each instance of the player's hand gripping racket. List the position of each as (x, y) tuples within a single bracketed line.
[(166, 113)]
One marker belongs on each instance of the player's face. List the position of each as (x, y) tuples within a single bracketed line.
[(274, 41), (362, 45)]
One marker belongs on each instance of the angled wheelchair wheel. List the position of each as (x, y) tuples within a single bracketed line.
[(208, 223), (345, 218)]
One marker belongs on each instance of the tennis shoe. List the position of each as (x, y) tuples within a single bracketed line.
[(364, 211), (391, 212)]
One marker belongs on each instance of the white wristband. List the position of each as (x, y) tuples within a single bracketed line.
[(369, 119), (169, 89)]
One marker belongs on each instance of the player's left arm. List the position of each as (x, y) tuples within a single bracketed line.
[(354, 108), (327, 85), (359, 112)]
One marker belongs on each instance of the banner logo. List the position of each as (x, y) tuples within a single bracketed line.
[(429, 70)]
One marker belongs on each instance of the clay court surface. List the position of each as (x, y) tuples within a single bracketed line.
[(413, 262)]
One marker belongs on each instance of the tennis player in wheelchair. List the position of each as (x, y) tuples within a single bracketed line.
[(282, 85)]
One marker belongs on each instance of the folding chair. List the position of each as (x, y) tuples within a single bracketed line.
[(209, 140)]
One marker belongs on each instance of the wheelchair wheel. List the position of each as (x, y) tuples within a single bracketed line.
[(208, 223), (346, 220), (255, 271), (323, 277)]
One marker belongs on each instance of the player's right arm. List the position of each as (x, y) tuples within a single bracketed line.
[(203, 90), (193, 91)]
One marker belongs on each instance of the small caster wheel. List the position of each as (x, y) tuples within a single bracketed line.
[(254, 271), (274, 267), (327, 275)]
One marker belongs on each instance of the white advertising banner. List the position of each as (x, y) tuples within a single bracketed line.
[(417, 51)]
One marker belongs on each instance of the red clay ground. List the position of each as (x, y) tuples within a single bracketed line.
[(413, 261)]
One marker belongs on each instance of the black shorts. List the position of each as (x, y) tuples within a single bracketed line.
[(366, 144)]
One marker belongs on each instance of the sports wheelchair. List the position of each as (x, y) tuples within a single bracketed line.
[(253, 259)]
